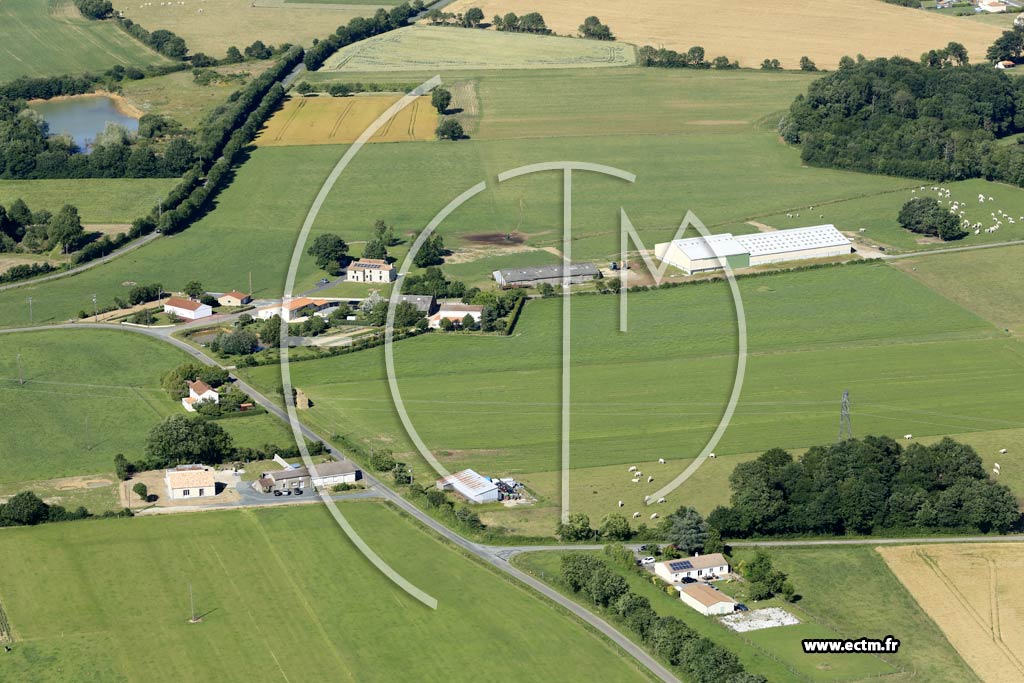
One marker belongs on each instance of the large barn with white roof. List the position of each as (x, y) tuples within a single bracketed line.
[(702, 254)]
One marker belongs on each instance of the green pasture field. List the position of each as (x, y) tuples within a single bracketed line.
[(984, 281), (51, 37), (915, 363), (256, 431), (768, 656), (99, 200), (178, 96), (877, 215), (841, 588), (88, 395), (416, 48), (267, 583)]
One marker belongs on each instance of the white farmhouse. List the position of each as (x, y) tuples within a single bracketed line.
[(371, 270), (187, 308), (198, 392), (700, 567), (456, 313), (190, 481)]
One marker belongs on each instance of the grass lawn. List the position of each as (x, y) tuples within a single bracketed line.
[(918, 364), (257, 431), (852, 592), (772, 656), (99, 200), (51, 37), (984, 281), (263, 581), (179, 96), (434, 47), (88, 395)]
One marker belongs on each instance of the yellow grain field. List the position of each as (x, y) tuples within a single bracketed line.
[(340, 120), (974, 593), (750, 31)]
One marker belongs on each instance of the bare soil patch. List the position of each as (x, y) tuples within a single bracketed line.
[(496, 238)]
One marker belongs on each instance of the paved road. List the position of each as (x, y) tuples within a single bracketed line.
[(131, 246)]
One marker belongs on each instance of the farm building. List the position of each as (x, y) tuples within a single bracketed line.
[(1006, 63), (371, 270), (190, 481), (706, 599), (992, 6), (456, 313), (531, 277), (293, 310), (187, 308), (423, 302), (700, 254), (336, 472), (234, 298), (696, 567), (470, 485), (198, 392)]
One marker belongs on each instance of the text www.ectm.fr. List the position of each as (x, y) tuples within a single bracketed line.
[(850, 645)]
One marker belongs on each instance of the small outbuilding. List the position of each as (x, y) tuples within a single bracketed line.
[(187, 308), (335, 472), (471, 486), (190, 481), (706, 599), (234, 298)]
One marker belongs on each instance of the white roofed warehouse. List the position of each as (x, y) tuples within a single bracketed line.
[(471, 486), (700, 254)]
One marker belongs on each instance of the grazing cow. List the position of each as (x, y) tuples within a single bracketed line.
[(661, 500), (654, 516), (712, 455), (635, 481), (650, 479), (908, 436), (632, 468)]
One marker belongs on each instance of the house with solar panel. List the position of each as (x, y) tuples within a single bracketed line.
[(371, 270), (714, 252), (698, 568)]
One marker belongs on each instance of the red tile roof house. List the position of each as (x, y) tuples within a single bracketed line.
[(199, 391), (186, 308), (233, 298), (456, 313)]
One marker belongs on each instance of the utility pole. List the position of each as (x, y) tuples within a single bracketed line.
[(21, 373), (30, 321), (95, 309), (845, 424), (193, 619)]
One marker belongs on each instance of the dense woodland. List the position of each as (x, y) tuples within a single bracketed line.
[(864, 486), (938, 119)]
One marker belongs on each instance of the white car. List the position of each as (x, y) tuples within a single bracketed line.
[(647, 560)]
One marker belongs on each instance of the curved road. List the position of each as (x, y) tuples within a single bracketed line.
[(495, 556)]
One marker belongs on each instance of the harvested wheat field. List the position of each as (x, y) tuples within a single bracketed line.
[(824, 30), (974, 593), (340, 120)]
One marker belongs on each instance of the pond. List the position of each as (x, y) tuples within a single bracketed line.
[(83, 117)]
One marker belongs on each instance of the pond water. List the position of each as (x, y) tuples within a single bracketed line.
[(83, 117)]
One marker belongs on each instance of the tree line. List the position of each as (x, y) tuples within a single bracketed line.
[(701, 659), (940, 118), (694, 58), (28, 509), (865, 486), (360, 28)]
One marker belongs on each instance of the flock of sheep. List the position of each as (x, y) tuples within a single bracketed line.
[(635, 475), (168, 4), (959, 209)]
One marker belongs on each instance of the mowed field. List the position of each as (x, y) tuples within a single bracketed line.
[(973, 593), (87, 396), (284, 597), (211, 26), (434, 47), (99, 200), (751, 32), (340, 120), (916, 363), (51, 37)]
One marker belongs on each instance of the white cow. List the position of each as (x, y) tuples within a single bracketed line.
[(1002, 451), (650, 479), (908, 436), (661, 461), (654, 516), (632, 468), (621, 503)]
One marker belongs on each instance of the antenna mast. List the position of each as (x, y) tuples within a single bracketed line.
[(845, 425)]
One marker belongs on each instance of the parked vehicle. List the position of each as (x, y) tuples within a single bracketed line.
[(647, 560), (278, 493)]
